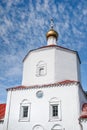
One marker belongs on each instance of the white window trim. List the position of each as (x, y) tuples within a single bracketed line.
[(57, 127), (40, 65), (21, 118), (55, 118)]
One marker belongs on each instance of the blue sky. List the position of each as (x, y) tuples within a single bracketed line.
[(23, 25)]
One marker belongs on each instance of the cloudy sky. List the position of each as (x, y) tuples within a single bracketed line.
[(23, 25)]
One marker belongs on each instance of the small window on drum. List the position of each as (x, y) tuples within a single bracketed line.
[(41, 69)]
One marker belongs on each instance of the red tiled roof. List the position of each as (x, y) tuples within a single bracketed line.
[(68, 82), (20, 87), (2, 110), (84, 111), (17, 87), (65, 82), (83, 116)]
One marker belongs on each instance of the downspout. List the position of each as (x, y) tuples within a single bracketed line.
[(9, 110)]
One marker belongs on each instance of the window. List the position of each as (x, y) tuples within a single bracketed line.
[(38, 127), (24, 111), (1, 121), (55, 111), (40, 69), (39, 94), (57, 127)]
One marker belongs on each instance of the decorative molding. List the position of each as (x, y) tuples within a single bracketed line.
[(38, 127)]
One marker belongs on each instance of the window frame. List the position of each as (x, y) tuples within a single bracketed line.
[(25, 103), (58, 104), (41, 69), (57, 127)]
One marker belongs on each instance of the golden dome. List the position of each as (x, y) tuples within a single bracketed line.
[(52, 32)]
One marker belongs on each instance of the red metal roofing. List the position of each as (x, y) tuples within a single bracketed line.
[(2, 110), (84, 111), (68, 82), (17, 87), (83, 116), (45, 85)]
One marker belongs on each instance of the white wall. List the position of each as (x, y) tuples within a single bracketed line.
[(82, 97), (1, 125), (62, 64), (30, 64), (7, 111), (66, 65), (39, 114), (84, 124)]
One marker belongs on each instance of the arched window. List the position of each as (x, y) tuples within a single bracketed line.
[(56, 127), (41, 69), (24, 110), (55, 109), (38, 127)]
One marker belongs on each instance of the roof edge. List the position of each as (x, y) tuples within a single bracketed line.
[(65, 82), (52, 46)]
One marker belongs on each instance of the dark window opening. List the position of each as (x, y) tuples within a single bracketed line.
[(55, 110), (25, 111)]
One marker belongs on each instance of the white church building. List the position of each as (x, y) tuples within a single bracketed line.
[(51, 96)]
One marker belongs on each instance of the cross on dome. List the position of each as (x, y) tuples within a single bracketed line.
[(52, 23)]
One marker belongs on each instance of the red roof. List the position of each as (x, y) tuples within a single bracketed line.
[(83, 116), (2, 110), (65, 82), (17, 87), (68, 82), (84, 111)]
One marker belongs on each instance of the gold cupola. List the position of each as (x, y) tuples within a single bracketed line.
[(51, 35)]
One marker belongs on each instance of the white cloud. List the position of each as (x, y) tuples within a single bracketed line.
[(14, 71), (61, 8), (85, 12)]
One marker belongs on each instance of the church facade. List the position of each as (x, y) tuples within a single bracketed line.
[(51, 96)]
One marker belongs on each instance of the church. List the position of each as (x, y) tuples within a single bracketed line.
[(50, 96)]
